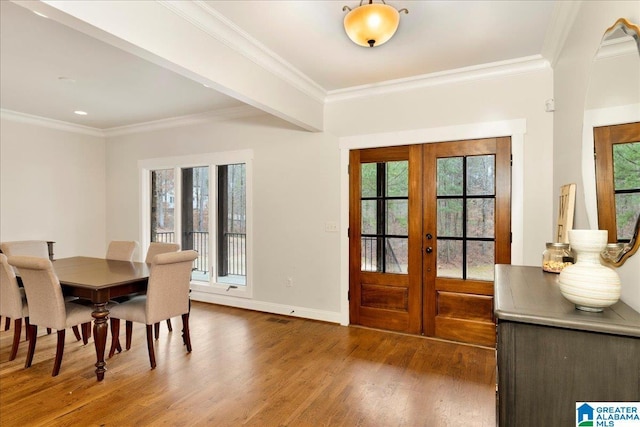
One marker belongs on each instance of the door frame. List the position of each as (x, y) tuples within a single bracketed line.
[(513, 128)]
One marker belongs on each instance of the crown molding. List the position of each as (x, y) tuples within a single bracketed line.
[(617, 47), (563, 15), (476, 72), (192, 119), (30, 119), (200, 14)]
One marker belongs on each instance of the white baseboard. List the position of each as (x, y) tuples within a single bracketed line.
[(267, 307)]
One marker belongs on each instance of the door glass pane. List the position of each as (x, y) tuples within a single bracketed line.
[(450, 217), (369, 179), (626, 175), (369, 250), (627, 211), (397, 217), (450, 258), (397, 255), (398, 179), (480, 217), (195, 218), (480, 175), (626, 166), (466, 213), (449, 176), (480, 260), (384, 216), (369, 216), (232, 225), (162, 206)]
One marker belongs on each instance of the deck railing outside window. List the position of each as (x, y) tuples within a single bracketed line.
[(236, 249)]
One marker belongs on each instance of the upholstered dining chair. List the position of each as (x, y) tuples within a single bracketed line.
[(47, 306), (167, 296), (121, 250), (13, 303), (38, 249), (156, 248)]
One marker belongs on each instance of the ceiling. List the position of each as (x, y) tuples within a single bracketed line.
[(50, 70)]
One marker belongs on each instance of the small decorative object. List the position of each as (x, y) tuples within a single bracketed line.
[(612, 251), (556, 257), (588, 284), (566, 208)]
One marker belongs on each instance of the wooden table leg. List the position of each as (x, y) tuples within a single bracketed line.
[(100, 316)]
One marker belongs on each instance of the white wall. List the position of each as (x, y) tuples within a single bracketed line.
[(52, 187), (296, 190), (571, 82)]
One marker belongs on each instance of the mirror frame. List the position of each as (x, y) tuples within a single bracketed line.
[(631, 248)]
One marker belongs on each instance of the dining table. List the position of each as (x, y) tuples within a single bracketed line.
[(100, 280)]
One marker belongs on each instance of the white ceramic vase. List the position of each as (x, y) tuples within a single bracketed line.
[(588, 284)]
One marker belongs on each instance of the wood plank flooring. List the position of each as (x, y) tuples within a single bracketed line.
[(254, 369)]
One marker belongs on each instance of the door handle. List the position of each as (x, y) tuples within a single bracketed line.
[(429, 249)]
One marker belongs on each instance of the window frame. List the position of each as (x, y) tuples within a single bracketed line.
[(212, 160)]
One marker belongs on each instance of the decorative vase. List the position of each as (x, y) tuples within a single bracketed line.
[(588, 284)]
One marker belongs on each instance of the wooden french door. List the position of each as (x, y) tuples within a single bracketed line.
[(427, 225)]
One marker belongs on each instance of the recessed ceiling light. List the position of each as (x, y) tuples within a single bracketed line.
[(80, 113), (40, 14)]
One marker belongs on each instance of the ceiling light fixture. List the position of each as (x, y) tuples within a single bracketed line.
[(80, 113), (371, 24)]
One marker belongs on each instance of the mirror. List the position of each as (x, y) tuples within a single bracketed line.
[(613, 98)]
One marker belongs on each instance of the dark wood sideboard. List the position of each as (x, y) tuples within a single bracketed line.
[(550, 355)]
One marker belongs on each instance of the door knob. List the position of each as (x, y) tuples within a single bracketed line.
[(429, 249), (429, 236)]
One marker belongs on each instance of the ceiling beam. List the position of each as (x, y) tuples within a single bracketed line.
[(188, 41)]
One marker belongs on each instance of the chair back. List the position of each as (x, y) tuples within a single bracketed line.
[(44, 294), (156, 248), (121, 250), (35, 248), (10, 295), (168, 289)]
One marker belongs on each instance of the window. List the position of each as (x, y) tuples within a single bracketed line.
[(617, 153), (203, 203), (232, 224)]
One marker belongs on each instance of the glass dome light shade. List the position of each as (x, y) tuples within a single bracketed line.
[(371, 24)]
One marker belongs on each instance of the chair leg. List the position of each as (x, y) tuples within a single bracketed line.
[(129, 329), (59, 353), (17, 329), (185, 331), (76, 332), (86, 332), (156, 329), (7, 323), (27, 330), (115, 336), (152, 356), (169, 325), (33, 334)]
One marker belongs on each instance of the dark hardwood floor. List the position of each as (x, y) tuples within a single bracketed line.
[(257, 369)]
